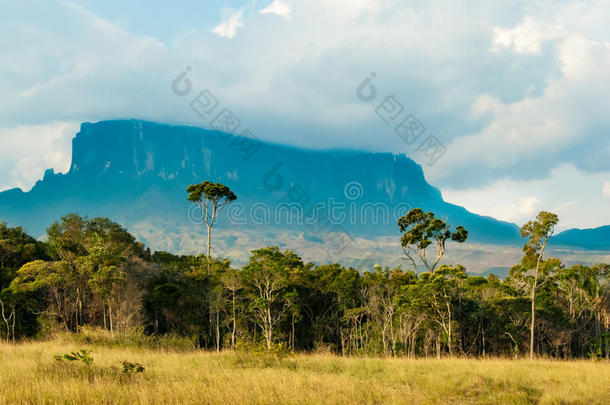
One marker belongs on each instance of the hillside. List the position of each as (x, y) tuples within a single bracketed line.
[(136, 172)]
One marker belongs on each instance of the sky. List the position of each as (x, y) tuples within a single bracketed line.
[(516, 92)]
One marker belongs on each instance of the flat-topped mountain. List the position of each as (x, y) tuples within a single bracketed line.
[(137, 172), (132, 170)]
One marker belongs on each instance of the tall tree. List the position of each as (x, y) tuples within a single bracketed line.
[(67, 244), (539, 233), (104, 274), (419, 230), (436, 293), (16, 249), (232, 283), (211, 199), (268, 275), (53, 278)]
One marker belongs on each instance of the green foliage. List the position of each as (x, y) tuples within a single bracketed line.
[(210, 191), (419, 230), (82, 355), (131, 339), (211, 199), (132, 368), (539, 231), (93, 278)]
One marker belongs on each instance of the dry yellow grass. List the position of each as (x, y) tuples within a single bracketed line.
[(29, 374)]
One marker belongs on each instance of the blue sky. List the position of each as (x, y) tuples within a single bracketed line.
[(517, 91), (166, 20)]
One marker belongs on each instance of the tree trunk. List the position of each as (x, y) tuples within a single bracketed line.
[(292, 333), (234, 323), (438, 347), (533, 324), (209, 257), (268, 327), (79, 308), (110, 319), (217, 331), (6, 321), (449, 336), (268, 338), (210, 322), (14, 315), (104, 316)]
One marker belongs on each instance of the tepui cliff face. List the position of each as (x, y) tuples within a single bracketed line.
[(134, 170)]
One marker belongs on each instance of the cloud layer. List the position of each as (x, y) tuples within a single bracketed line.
[(515, 90)]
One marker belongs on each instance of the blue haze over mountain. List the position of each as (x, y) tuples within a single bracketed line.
[(131, 170)]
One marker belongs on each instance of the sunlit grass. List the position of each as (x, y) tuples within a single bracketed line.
[(30, 374)]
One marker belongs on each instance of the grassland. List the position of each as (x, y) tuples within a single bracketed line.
[(30, 374)]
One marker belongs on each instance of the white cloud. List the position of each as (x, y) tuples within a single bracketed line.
[(82, 67), (527, 138), (566, 207), (278, 7), (569, 192), (231, 21), (606, 189), (527, 37), (32, 149), (528, 206), (509, 103)]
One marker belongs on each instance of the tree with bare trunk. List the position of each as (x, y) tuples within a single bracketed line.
[(211, 198), (539, 233), (268, 276), (8, 319), (420, 230), (232, 283)]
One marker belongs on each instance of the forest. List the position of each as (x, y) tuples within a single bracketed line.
[(92, 273)]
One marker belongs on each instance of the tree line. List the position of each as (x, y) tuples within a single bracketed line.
[(94, 272)]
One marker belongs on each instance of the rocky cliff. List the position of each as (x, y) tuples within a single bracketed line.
[(133, 170)]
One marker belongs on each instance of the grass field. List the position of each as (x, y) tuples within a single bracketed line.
[(30, 374)]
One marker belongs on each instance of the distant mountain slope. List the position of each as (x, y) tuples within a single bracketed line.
[(595, 238), (134, 170)]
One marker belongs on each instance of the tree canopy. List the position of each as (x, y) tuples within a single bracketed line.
[(94, 272), (420, 230)]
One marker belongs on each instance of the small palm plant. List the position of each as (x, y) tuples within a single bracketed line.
[(81, 355)]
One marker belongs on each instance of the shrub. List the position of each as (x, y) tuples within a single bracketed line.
[(132, 368), (135, 338), (82, 355)]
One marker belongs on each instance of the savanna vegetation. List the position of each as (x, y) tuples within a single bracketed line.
[(90, 284), (29, 374)]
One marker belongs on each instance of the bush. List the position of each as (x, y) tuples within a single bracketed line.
[(132, 368), (136, 338), (250, 355), (82, 355)]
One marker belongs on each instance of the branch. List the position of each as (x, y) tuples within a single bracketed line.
[(409, 257)]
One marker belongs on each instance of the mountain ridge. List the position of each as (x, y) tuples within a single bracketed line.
[(134, 170)]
